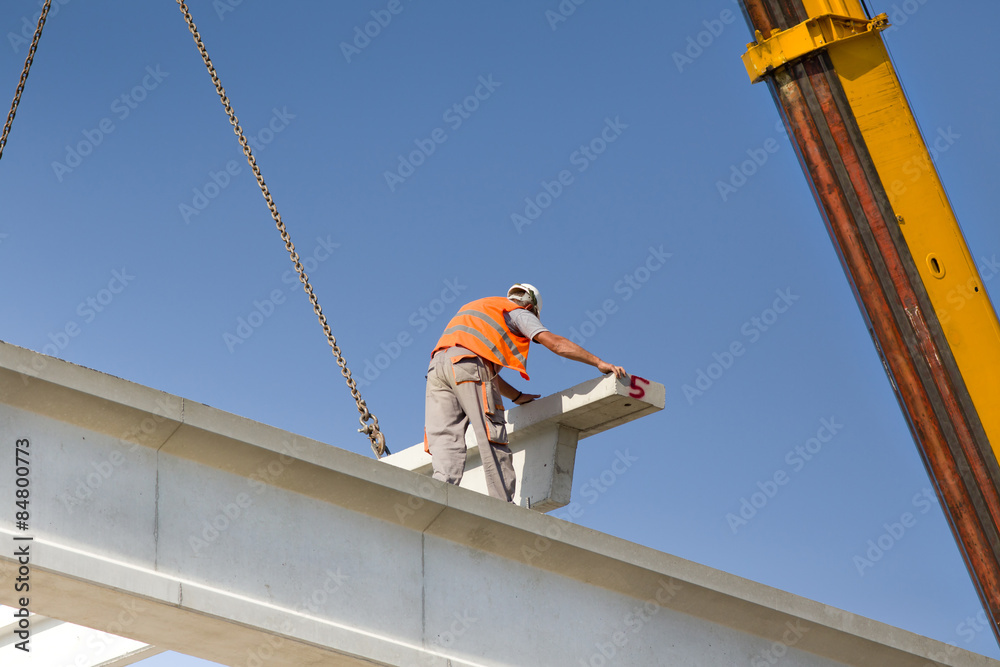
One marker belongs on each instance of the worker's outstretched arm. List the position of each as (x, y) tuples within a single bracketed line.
[(564, 347), (517, 397)]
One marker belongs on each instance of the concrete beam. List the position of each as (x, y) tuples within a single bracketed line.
[(544, 434), (171, 523)]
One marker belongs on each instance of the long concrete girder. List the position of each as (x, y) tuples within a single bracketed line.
[(181, 526)]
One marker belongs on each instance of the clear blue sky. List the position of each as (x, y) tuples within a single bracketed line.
[(142, 201)]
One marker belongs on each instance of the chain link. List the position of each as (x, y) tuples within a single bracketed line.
[(24, 75), (370, 430)]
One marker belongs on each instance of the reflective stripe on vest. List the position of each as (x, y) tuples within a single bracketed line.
[(492, 340)]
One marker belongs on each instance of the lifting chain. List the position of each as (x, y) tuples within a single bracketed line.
[(24, 75), (370, 430)]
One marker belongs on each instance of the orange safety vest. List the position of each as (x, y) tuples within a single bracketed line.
[(479, 327)]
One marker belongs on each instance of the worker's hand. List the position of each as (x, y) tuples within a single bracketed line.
[(526, 398), (605, 367)]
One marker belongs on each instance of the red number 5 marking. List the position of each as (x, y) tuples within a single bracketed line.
[(637, 391)]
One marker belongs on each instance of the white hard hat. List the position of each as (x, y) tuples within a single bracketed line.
[(531, 292)]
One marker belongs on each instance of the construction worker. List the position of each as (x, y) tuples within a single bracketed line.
[(464, 385)]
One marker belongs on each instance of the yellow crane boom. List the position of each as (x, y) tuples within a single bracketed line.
[(901, 247)]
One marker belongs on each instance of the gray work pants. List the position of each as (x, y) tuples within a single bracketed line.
[(462, 390)]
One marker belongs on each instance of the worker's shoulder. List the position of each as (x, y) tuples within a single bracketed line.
[(525, 322)]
